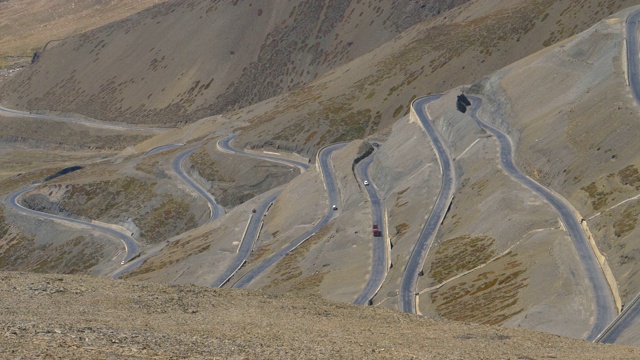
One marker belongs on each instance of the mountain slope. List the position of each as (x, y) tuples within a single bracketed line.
[(453, 49), (28, 25), (574, 122), (80, 317), (182, 60), (501, 255)]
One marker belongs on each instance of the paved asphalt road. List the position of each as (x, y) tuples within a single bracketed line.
[(334, 197), (605, 309), (224, 145), (421, 248), (215, 210), (131, 246), (247, 242), (628, 318), (13, 113), (251, 234), (253, 228), (633, 56), (631, 314), (379, 256)]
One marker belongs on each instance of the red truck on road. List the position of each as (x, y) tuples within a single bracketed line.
[(376, 231)]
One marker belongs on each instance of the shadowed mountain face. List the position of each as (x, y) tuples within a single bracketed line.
[(183, 60)]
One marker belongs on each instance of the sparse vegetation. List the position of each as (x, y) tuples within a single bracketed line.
[(489, 297), (599, 197), (627, 220), (460, 254), (289, 273), (157, 216)]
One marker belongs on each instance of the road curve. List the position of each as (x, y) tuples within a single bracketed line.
[(215, 210), (631, 314), (131, 246), (253, 228), (605, 309), (379, 256), (332, 191), (628, 317), (439, 210), (225, 146), (13, 113)]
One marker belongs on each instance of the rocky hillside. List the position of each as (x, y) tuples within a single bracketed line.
[(75, 317)]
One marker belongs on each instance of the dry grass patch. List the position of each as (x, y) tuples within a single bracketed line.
[(627, 220), (489, 297), (460, 254)]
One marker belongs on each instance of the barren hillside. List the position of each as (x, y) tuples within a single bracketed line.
[(28, 25), (182, 60), (80, 317), (453, 49), (289, 77)]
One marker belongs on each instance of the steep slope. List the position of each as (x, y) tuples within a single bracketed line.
[(181, 60), (28, 25), (455, 48), (561, 140)]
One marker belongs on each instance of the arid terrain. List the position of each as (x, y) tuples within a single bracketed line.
[(179, 146), (76, 317)]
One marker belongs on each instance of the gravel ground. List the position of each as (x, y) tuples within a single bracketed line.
[(56, 316)]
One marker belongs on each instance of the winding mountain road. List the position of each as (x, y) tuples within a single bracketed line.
[(630, 316), (252, 231), (333, 193), (224, 145), (131, 246), (248, 240), (215, 210), (605, 309), (379, 259), (439, 210)]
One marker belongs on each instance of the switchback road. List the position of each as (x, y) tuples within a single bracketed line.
[(439, 210), (334, 196), (215, 210), (224, 145), (252, 232), (131, 246), (631, 314), (605, 309)]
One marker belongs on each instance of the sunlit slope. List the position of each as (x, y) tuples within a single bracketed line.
[(455, 48)]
